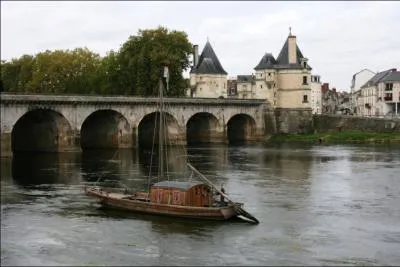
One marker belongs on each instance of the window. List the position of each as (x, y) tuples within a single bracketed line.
[(269, 73), (305, 99), (304, 79), (305, 64), (260, 74), (389, 87), (176, 197), (261, 86)]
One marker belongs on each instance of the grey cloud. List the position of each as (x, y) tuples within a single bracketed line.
[(339, 38)]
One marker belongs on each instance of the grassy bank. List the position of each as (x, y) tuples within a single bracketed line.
[(338, 137)]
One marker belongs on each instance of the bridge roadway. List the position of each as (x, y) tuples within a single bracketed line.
[(41, 122)]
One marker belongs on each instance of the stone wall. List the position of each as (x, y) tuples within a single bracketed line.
[(293, 121), (335, 123)]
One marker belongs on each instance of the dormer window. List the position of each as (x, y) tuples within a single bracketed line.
[(303, 62)]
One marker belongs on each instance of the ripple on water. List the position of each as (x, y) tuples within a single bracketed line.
[(318, 205)]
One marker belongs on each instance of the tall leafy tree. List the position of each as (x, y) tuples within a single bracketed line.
[(142, 56)]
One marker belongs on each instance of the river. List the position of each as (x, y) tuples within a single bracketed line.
[(318, 205)]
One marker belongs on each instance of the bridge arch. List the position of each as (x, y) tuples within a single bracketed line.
[(203, 127), (148, 128), (42, 130), (241, 128), (106, 128)]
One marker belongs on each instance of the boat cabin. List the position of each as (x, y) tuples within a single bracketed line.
[(182, 193)]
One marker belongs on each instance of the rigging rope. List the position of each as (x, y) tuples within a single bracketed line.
[(101, 175)]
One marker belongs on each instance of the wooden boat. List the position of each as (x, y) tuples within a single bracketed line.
[(188, 199)]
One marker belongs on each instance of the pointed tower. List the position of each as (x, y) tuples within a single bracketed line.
[(207, 76), (294, 78)]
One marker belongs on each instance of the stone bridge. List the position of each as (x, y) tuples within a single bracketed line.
[(66, 122)]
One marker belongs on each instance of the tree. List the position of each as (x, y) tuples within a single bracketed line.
[(17, 73), (109, 78), (142, 56), (59, 71), (133, 70), (65, 71)]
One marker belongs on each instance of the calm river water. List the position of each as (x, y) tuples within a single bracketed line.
[(318, 205)]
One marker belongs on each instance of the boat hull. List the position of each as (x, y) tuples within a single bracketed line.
[(122, 202)]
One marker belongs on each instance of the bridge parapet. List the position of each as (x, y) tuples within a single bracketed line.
[(90, 99)]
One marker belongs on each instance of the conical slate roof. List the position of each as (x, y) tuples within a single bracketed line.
[(282, 61), (283, 58), (208, 62), (267, 62)]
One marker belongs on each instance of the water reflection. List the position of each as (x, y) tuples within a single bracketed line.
[(105, 162), (317, 205), (30, 168), (174, 162)]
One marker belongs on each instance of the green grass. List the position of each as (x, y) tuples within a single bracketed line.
[(338, 137)]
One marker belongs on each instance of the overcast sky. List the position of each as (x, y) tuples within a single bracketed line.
[(338, 38)]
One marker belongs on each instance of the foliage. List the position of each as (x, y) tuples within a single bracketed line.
[(133, 70), (143, 56)]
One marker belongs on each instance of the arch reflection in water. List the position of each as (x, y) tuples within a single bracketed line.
[(175, 162), (34, 168), (208, 158), (112, 166)]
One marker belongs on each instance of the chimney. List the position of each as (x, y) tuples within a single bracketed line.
[(292, 53), (195, 55)]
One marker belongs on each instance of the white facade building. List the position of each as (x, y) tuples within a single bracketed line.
[(380, 95), (359, 79), (316, 97)]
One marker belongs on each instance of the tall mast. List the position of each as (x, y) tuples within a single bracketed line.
[(161, 136)]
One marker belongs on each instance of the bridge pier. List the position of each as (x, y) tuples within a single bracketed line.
[(6, 150)]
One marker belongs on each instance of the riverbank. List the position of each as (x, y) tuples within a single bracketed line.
[(337, 137)]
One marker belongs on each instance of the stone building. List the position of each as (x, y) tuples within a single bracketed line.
[(380, 95), (284, 83), (208, 79), (316, 97), (232, 87), (330, 100)]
